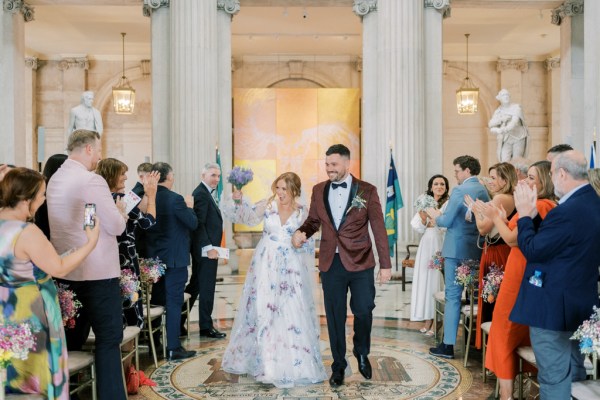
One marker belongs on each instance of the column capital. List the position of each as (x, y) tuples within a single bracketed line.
[(552, 63), (32, 62), (518, 64), (71, 62), (231, 7), (151, 5), (569, 8), (15, 6), (363, 7), (443, 6)]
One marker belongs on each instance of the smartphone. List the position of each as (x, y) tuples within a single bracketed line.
[(88, 215)]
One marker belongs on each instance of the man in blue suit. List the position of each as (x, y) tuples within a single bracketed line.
[(560, 284), (460, 243), (169, 240)]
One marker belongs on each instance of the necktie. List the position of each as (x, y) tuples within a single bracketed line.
[(337, 185)]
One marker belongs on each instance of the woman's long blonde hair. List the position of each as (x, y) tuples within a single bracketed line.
[(292, 183)]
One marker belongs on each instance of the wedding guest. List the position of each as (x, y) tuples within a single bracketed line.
[(501, 184), (140, 234), (556, 150), (115, 174), (275, 335), (521, 166), (427, 281), (505, 336), (27, 263), (41, 216)]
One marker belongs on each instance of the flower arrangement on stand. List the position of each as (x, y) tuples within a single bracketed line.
[(16, 341), (588, 334), (69, 305), (130, 285), (151, 269), (437, 261), (240, 177), (466, 272), (491, 283)]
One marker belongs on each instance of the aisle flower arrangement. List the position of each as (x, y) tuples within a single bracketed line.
[(424, 202), (151, 269), (588, 334), (69, 305), (437, 261), (491, 283), (130, 285), (16, 340), (466, 272)]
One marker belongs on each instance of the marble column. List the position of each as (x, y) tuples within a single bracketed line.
[(591, 80), (570, 18), (158, 11), (553, 90), (13, 16), (74, 83), (435, 12), (31, 139)]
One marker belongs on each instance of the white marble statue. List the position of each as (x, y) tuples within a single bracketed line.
[(85, 116), (508, 124)]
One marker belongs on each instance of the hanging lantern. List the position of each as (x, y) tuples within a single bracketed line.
[(123, 93), (468, 94)]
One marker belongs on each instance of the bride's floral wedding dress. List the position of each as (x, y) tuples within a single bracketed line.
[(275, 335)]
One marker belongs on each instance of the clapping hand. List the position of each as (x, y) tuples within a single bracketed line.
[(150, 183), (525, 200)]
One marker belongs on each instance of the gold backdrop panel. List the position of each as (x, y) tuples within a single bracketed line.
[(255, 124)]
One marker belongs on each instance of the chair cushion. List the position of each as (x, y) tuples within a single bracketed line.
[(186, 296), (486, 326), (526, 353), (128, 334), (586, 390), (155, 311), (79, 360), (440, 297), (467, 309)]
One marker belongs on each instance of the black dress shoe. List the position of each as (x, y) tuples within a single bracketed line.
[(180, 354), (337, 378), (212, 333), (364, 366)]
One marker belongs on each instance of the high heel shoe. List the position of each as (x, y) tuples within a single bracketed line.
[(429, 333)]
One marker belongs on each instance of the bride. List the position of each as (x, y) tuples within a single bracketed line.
[(275, 335)]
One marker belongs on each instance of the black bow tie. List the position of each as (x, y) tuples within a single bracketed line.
[(337, 185), (212, 191)]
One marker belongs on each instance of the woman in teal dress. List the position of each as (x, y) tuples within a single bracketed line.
[(27, 292)]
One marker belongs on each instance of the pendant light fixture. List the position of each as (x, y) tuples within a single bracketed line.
[(468, 94), (123, 93)]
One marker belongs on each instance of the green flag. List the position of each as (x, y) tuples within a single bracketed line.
[(220, 185), (392, 205)]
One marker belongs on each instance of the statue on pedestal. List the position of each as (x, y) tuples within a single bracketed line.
[(508, 124), (85, 116)]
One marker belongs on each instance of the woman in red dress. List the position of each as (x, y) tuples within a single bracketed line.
[(505, 336)]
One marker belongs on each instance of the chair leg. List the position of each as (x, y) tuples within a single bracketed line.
[(93, 374), (520, 378), (403, 279), (497, 391), (468, 342), (164, 334), (483, 346), (152, 346), (137, 352), (187, 320)]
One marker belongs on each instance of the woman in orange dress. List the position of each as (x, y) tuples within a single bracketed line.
[(505, 336), (501, 183)]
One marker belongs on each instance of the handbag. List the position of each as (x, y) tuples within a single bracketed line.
[(133, 380)]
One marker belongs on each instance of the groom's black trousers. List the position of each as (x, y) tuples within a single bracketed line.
[(336, 282)]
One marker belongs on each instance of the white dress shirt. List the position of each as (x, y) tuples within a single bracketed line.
[(338, 199)]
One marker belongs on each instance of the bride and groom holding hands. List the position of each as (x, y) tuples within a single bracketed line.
[(275, 335)]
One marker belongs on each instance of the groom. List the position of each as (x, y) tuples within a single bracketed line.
[(344, 207)]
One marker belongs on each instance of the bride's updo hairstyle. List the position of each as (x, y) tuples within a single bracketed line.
[(19, 184)]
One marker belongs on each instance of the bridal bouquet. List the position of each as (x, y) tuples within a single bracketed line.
[(240, 177), (466, 273), (424, 202), (491, 283), (151, 269), (437, 261), (16, 340), (130, 285), (588, 334), (69, 305)]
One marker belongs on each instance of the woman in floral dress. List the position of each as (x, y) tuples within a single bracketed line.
[(275, 335), (27, 291)]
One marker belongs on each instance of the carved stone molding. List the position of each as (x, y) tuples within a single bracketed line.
[(363, 7), (15, 6), (442, 6), (32, 62), (519, 65), (146, 67), (552, 63), (569, 8), (231, 7), (151, 5), (73, 62), (358, 64), (296, 68)]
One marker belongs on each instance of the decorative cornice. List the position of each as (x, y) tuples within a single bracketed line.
[(15, 6), (569, 8), (519, 64), (151, 5), (146, 67), (552, 63), (363, 7), (443, 6), (71, 62), (231, 7), (32, 62)]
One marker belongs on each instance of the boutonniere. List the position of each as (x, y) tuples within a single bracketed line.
[(358, 202)]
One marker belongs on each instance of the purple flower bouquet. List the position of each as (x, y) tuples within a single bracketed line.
[(240, 177), (69, 305)]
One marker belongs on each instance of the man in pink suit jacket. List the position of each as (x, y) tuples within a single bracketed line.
[(344, 207)]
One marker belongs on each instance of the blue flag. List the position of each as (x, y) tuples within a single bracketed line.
[(593, 156), (392, 205), (220, 185)]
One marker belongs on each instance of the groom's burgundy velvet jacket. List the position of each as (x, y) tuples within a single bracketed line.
[(352, 239)]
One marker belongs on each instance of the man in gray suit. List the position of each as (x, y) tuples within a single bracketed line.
[(460, 243)]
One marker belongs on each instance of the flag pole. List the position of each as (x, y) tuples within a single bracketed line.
[(396, 244)]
